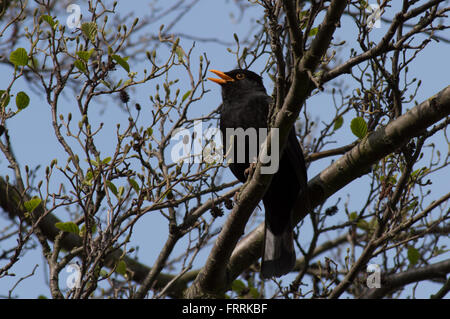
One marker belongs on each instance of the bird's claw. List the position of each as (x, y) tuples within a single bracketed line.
[(250, 170), (236, 197)]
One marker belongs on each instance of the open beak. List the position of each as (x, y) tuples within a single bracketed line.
[(223, 77)]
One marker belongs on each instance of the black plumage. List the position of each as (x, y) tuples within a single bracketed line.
[(246, 105)]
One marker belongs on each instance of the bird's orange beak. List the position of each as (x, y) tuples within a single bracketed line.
[(223, 77)]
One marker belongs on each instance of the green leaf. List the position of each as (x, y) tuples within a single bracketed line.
[(185, 96), (150, 131), (359, 127), (4, 98), (48, 19), (42, 297), (85, 55), (363, 224), (19, 57), (412, 206), (413, 255), (89, 29), (419, 172), (112, 187), (118, 84), (373, 224), (121, 268), (254, 293), (69, 227), (178, 50), (80, 65), (313, 31), (106, 160), (180, 53), (121, 61), (95, 163), (83, 229), (103, 273), (120, 191), (106, 84), (134, 184), (22, 100), (238, 286), (127, 82), (338, 123), (302, 14), (88, 178), (33, 63), (31, 205), (353, 216)]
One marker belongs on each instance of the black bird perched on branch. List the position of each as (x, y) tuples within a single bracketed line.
[(246, 106)]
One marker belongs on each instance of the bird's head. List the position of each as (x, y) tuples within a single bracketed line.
[(238, 81)]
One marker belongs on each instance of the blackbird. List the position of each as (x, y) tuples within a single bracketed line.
[(246, 106)]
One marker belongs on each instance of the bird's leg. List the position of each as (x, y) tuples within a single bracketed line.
[(248, 172), (250, 169), (236, 197)]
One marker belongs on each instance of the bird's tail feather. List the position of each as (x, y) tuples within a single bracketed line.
[(279, 254)]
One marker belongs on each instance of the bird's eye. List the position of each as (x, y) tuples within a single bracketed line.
[(240, 76)]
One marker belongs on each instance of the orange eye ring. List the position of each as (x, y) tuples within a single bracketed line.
[(240, 76)]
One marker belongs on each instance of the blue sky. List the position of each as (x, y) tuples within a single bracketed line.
[(34, 142)]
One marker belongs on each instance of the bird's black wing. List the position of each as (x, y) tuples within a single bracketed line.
[(247, 113), (294, 154), (279, 202), (286, 186)]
